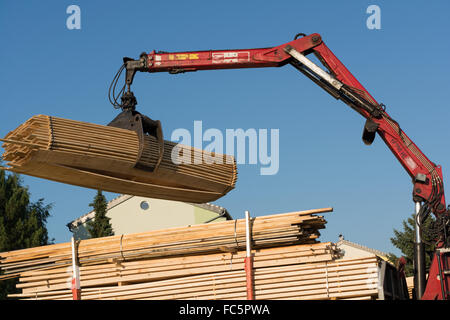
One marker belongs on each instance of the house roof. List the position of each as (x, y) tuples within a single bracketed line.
[(379, 253), (221, 211)]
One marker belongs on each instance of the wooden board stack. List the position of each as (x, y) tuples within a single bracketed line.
[(115, 160), (225, 236), (199, 262)]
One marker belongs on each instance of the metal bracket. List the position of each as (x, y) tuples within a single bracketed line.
[(132, 66), (130, 119), (313, 67)]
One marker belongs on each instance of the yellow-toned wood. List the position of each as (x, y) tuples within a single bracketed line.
[(109, 158)]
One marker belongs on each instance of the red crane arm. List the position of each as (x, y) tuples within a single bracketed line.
[(428, 191), (427, 177), (222, 59)]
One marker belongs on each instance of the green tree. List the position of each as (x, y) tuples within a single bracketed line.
[(404, 240), (100, 226), (22, 222)]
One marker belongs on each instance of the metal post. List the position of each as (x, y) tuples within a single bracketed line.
[(76, 290), (419, 258), (248, 258)]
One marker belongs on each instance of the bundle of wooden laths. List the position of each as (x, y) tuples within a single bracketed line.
[(198, 262), (117, 160)]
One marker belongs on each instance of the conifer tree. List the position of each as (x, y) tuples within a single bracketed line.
[(404, 240), (22, 223), (100, 226)]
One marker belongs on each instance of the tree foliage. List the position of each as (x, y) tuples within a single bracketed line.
[(404, 240), (22, 222), (100, 226)]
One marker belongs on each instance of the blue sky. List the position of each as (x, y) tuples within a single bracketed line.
[(49, 69)]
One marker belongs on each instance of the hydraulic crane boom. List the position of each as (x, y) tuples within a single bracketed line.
[(428, 189)]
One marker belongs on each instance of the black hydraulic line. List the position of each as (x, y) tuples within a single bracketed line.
[(438, 260)]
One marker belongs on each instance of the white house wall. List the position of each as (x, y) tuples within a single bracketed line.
[(352, 252), (129, 217)]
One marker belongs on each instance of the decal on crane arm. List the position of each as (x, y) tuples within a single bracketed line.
[(231, 57), (184, 56)]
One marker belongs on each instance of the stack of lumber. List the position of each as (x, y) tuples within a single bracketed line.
[(315, 276), (157, 271), (225, 236), (199, 262), (116, 160)]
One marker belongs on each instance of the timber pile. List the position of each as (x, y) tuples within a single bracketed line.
[(315, 276), (116, 160), (225, 236), (199, 262)]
